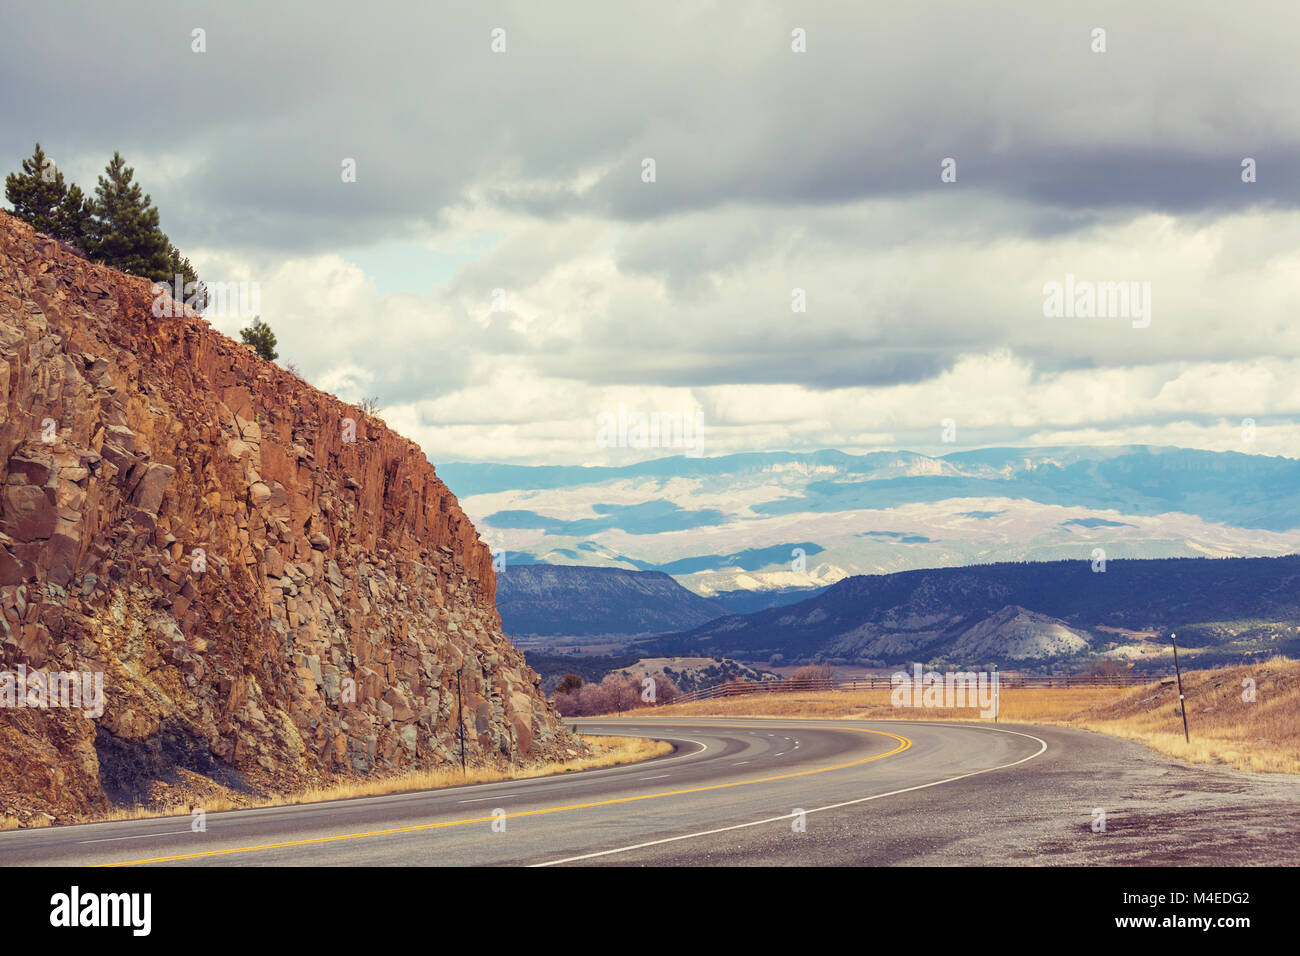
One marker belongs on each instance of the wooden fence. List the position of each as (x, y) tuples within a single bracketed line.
[(740, 688)]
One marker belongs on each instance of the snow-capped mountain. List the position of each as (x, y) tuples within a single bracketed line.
[(803, 520)]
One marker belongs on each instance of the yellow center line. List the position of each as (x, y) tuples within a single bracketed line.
[(903, 744)]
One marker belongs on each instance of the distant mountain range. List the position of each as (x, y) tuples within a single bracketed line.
[(550, 601), (1025, 614), (558, 601), (758, 522), (747, 602)]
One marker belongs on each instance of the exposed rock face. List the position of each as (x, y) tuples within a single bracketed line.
[(1015, 634), (263, 595)]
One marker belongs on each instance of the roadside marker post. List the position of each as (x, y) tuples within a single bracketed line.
[(1182, 698), (996, 694)]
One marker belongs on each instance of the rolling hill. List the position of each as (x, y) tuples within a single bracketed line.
[(1026, 614), (561, 601)]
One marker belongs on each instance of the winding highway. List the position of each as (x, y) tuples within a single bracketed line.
[(734, 792)]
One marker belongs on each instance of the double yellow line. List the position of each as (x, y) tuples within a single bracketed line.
[(903, 744)]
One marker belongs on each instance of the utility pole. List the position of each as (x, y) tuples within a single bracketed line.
[(1182, 699), (460, 721)]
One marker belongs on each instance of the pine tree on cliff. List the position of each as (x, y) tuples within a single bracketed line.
[(124, 232), (261, 338), (180, 266), (40, 197)]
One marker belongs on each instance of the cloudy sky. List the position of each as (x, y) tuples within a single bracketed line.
[(500, 273)]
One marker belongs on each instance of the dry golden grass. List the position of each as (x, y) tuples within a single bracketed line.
[(1023, 704), (1259, 736), (1262, 735), (605, 752)]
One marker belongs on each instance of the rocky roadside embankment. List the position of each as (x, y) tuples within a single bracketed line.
[(277, 589)]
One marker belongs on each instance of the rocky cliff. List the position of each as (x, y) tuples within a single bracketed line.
[(276, 588)]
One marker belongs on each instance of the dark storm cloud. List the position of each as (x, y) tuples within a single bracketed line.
[(816, 365), (774, 170), (714, 96)]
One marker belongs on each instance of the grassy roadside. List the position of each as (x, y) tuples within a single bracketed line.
[(1027, 705), (605, 752), (1260, 735)]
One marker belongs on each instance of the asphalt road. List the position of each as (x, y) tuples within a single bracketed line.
[(760, 791)]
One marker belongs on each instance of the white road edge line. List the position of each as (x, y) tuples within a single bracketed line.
[(137, 837), (787, 816)]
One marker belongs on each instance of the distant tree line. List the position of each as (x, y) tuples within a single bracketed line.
[(614, 694), (555, 667)]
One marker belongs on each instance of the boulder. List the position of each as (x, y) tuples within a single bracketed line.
[(148, 494), (29, 513)]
